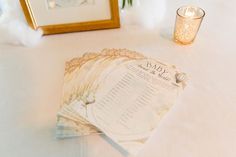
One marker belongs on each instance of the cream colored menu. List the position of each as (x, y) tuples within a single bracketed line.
[(130, 100)]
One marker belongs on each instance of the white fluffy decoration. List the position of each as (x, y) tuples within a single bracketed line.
[(147, 13), (15, 30), (13, 27)]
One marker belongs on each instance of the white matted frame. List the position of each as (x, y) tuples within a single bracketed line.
[(63, 16)]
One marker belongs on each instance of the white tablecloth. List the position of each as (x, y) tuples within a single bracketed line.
[(201, 124)]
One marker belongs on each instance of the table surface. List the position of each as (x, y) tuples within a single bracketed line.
[(201, 124)]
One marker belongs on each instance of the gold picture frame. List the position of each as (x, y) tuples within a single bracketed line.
[(113, 22)]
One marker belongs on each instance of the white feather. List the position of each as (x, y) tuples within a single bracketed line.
[(147, 13), (13, 27), (15, 30)]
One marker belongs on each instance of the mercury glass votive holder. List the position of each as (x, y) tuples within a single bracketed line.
[(187, 24)]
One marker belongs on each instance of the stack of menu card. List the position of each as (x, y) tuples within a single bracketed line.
[(119, 93)]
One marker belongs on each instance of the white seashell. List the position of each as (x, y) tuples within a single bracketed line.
[(91, 98), (181, 77)]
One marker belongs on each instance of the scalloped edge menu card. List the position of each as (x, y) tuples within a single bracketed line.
[(123, 95)]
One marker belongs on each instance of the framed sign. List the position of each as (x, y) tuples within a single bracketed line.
[(63, 16)]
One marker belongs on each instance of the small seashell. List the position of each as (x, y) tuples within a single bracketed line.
[(180, 77), (90, 98)]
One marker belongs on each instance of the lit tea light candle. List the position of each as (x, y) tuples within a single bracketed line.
[(188, 21)]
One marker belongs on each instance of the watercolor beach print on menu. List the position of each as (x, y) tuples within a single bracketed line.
[(119, 93), (64, 16)]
